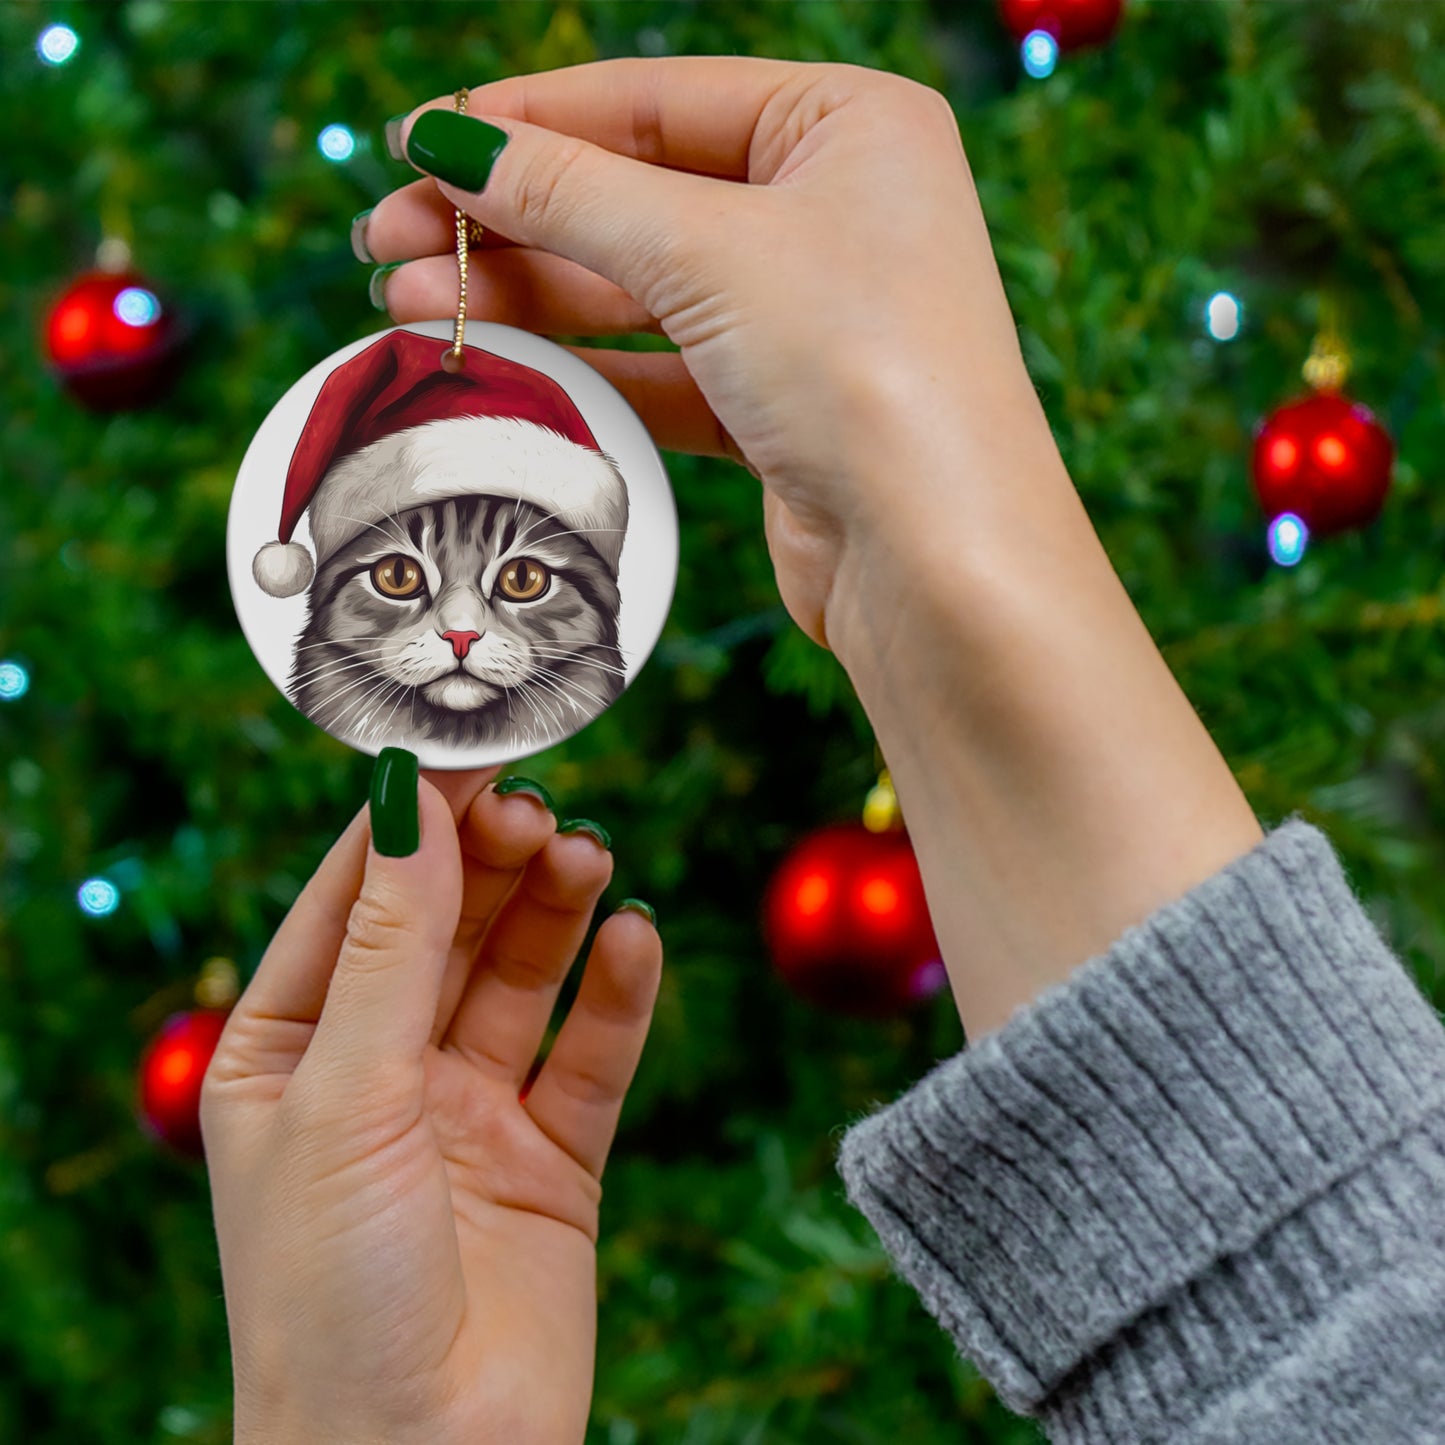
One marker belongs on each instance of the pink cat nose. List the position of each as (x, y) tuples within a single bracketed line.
[(461, 641)]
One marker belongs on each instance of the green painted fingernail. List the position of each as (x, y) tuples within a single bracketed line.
[(636, 905), (376, 288), (395, 811), (359, 248), (586, 825), (527, 786), (455, 148), (392, 132)]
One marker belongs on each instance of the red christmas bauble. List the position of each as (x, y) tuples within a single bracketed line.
[(112, 341), (847, 923), (1073, 23), (1324, 458), (171, 1071)]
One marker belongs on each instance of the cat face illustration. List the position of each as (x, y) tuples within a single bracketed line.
[(457, 536), (468, 621)]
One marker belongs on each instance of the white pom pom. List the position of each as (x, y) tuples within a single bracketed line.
[(282, 569)]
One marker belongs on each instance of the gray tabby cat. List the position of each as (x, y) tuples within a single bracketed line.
[(470, 622)]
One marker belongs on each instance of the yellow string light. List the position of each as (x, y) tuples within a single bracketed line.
[(881, 813), (219, 985)]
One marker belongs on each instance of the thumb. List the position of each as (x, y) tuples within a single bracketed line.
[(382, 1000), (630, 222)]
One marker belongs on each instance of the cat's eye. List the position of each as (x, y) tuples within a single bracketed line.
[(524, 580), (398, 576)]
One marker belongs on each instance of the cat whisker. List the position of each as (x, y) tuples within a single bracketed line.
[(345, 642), (405, 543), (562, 656), (331, 669), (364, 688), (579, 711), (563, 713), (584, 647), (578, 714), (400, 699), (571, 532), (343, 678), (370, 727), (538, 700), (547, 673)]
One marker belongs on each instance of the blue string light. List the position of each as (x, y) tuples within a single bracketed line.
[(98, 897), (336, 143), (137, 307), (1288, 538), (14, 681), (57, 44), (1040, 52), (1223, 316)]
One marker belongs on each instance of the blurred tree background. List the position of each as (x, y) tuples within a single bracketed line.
[(1286, 153)]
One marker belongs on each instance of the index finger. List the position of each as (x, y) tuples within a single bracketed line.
[(695, 113), (460, 789)]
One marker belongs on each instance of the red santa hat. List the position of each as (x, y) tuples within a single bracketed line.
[(390, 430)]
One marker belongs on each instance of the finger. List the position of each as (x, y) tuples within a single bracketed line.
[(577, 1098), (660, 389), (382, 997), (417, 220), (460, 789), (500, 834), (620, 218), (691, 113), (504, 1010), (289, 985), (517, 287)]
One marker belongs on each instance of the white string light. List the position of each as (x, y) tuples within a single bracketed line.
[(14, 681), (336, 143), (57, 44)]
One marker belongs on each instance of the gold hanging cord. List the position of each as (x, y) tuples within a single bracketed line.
[(469, 232)]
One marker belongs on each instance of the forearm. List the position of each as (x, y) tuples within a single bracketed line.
[(1056, 782)]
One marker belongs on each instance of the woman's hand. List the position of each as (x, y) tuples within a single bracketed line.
[(408, 1247), (810, 237), (845, 298)]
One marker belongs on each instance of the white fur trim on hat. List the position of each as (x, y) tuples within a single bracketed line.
[(282, 569), (490, 456)]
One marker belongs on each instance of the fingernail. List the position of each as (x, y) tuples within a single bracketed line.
[(636, 905), (376, 287), (393, 136), (359, 248), (395, 811), (455, 148), (586, 825), (527, 786)]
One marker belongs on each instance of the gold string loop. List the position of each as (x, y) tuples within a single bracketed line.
[(469, 232)]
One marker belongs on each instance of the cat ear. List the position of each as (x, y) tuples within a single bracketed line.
[(282, 569)]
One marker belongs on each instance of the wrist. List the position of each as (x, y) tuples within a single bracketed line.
[(1057, 784), (947, 518)]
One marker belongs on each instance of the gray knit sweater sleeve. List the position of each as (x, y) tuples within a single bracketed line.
[(1196, 1192)]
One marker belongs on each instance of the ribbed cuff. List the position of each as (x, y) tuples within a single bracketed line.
[(1140, 1181)]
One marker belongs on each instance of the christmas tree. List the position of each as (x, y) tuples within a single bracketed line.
[(1179, 215)]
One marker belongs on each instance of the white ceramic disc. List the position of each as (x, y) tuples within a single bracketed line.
[(471, 565)]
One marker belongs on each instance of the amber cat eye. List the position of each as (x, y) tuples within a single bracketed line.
[(523, 579), (398, 576)]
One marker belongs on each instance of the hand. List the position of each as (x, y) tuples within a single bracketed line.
[(843, 299), (843, 329), (407, 1247)]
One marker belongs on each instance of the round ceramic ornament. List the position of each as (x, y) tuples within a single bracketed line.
[(471, 560)]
